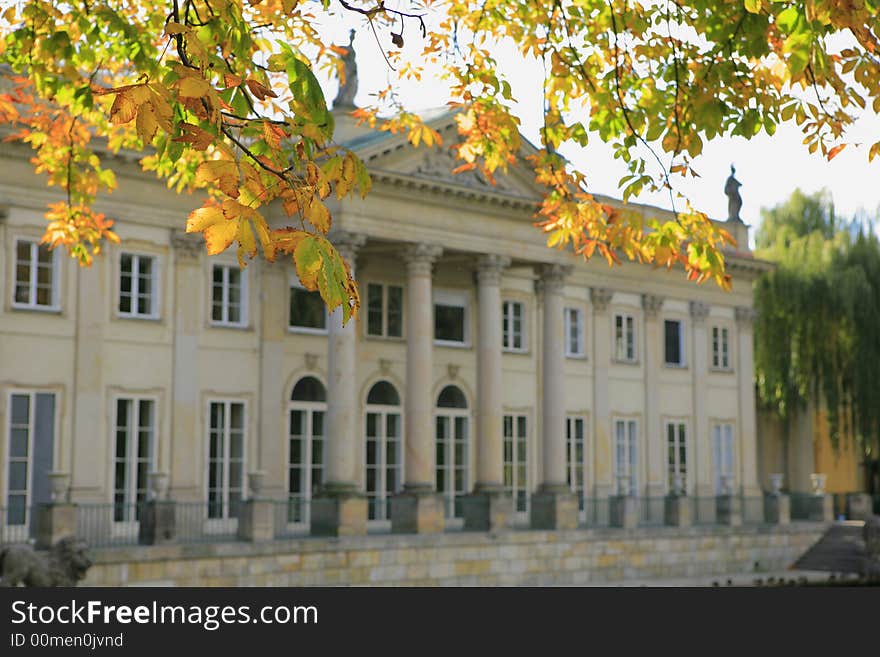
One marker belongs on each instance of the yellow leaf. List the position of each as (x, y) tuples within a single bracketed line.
[(247, 245), (124, 108), (224, 172), (175, 28), (307, 259), (287, 239), (265, 238), (317, 214), (146, 124), (202, 218), (219, 236), (347, 178), (192, 87)]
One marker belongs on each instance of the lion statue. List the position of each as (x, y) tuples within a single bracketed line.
[(64, 564)]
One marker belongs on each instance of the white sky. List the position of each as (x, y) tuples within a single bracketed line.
[(769, 168)]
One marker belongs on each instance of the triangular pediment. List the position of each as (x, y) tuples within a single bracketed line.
[(386, 153)]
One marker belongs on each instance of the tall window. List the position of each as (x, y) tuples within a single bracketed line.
[(133, 456), (452, 448), (308, 314), (574, 333), (384, 449), (720, 348), (674, 342), (228, 296), (626, 456), (225, 459), (450, 318), (34, 276), (676, 457), (137, 295), (574, 456), (305, 463), (723, 456), (516, 461), (624, 338), (384, 310), (29, 459), (512, 326)]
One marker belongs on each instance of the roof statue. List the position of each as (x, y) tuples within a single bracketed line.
[(734, 200), (348, 89)]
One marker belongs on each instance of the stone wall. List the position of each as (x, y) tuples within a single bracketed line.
[(511, 558)]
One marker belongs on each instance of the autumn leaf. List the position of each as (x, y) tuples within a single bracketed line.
[(260, 91), (204, 217), (223, 172)]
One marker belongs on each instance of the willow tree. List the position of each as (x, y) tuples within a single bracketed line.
[(222, 96), (816, 333)]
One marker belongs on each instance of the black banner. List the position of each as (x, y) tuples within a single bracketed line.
[(416, 620)]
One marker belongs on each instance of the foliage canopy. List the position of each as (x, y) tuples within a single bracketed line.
[(223, 95), (818, 313)]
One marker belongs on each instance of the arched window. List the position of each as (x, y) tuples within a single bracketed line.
[(452, 448), (308, 389), (384, 448), (305, 464)]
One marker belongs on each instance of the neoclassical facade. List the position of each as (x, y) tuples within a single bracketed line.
[(487, 381)]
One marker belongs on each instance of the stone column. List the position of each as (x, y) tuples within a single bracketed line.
[(418, 509), (489, 508), (603, 449), (553, 505), (654, 438), (702, 439), (340, 509), (748, 439), (185, 466)]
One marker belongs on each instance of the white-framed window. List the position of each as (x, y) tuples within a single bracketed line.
[(307, 312), (575, 429), (133, 450), (721, 348), (137, 286), (574, 333), (384, 310), (516, 461), (676, 456), (228, 295), (626, 436), (723, 457), (384, 444), (624, 338), (305, 456), (513, 326), (226, 458), (450, 318), (673, 342), (29, 456), (451, 442), (36, 277)]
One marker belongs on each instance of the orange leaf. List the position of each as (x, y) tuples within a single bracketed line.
[(259, 90), (224, 172), (124, 108)]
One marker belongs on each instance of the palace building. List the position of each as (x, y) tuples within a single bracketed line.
[(488, 382)]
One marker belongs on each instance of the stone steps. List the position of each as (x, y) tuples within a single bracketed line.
[(841, 549)]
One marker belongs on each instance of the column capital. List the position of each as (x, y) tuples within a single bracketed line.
[(699, 311), (745, 316), (187, 246), (347, 243), (489, 268), (600, 298), (552, 278), (419, 258), (652, 304)]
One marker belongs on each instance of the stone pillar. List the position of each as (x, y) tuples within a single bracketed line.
[(158, 524), (623, 507), (418, 508), (603, 467), (55, 521), (777, 509), (185, 466), (677, 510), (340, 509), (748, 437), (489, 507), (702, 439), (553, 505), (256, 518), (858, 506), (274, 295), (654, 438)]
